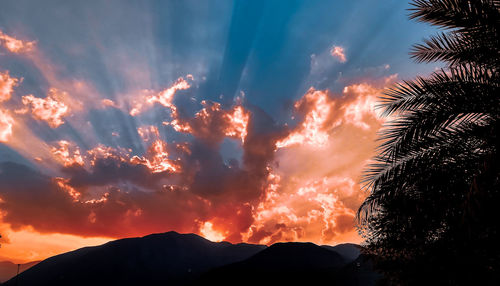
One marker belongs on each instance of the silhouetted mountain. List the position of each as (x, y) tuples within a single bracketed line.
[(349, 251), (9, 269), (294, 255), (158, 259), (281, 264), (187, 259)]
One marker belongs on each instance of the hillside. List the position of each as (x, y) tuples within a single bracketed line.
[(188, 259), (154, 259)]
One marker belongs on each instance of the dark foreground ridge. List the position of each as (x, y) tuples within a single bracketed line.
[(188, 259), (295, 263)]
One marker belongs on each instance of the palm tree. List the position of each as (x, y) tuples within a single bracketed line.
[(434, 185)]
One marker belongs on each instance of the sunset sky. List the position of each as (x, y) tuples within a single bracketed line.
[(244, 121)]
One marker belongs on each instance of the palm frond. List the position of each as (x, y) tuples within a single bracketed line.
[(464, 15)]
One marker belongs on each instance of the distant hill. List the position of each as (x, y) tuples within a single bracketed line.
[(188, 259), (291, 263), (9, 269), (349, 251), (158, 259)]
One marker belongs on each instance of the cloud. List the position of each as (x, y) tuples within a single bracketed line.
[(109, 102), (165, 97), (281, 183), (322, 112), (338, 53), (312, 191), (148, 133), (159, 161), (316, 107), (287, 185), (104, 165), (51, 109), (67, 153), (105, 178), (212, 123), (14, 45), (53, 205), (7, 84), (6, 122)]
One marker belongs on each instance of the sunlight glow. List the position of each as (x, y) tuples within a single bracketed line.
[(209, 233)]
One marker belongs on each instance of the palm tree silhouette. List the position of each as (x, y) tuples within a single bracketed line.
[(434, 185)]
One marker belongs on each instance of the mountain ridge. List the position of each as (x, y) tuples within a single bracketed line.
[(161, 258), (172, 258)]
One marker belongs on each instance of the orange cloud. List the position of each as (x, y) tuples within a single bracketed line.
[(109, 102), (64, 185), (156, 160), (237, 123), (361, 110), (317, 107), (303, 210), (14, 45), (50, 109), (7, 84), (75, 208), (338, 53), (66, 156), (165, 97), (323, 112), (312, 193), (159, 159), (212, 123)]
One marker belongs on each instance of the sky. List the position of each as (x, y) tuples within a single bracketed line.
[(243, 121)]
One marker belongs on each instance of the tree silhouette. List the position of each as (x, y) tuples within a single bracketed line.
[(430, 217)]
